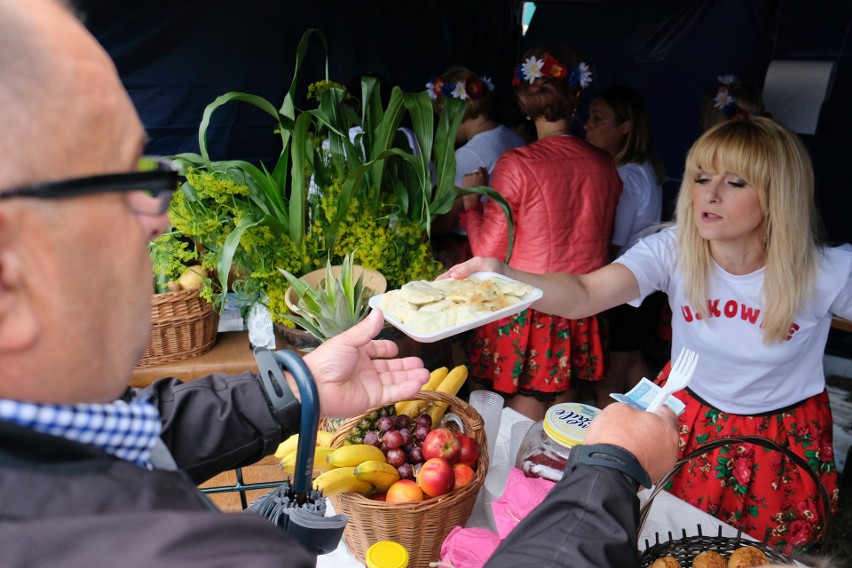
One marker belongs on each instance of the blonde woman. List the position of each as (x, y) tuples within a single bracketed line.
[(753, 292)]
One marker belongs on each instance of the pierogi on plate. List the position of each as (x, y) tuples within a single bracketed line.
[(426, 307)]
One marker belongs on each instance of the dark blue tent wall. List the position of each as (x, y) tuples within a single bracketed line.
[(176, 57), (672, 51)]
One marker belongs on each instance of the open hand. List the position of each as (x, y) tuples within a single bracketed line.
[(354, 372)]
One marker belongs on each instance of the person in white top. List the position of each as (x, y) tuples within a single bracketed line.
[(480, 141), (618, 123), (753, 292)]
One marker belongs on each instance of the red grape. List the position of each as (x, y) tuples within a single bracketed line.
[(421, 431), (423, 419), (372, 438), (393, 439), (406, 471), (396, 457), (406, 436), (385, 423), (416, 455)]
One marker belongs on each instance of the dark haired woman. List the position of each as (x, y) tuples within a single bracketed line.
[(562, 192)]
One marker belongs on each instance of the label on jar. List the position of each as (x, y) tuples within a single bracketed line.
[(567, 423)]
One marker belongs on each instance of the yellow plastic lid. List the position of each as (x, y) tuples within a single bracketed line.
[(567, 423), (387, 554)]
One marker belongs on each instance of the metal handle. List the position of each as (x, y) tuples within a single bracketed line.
[(757, 440)]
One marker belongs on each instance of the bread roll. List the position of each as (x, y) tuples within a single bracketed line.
[(747, 556), (665, 562), (709, 559)]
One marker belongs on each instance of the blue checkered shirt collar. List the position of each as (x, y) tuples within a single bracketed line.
[(126, 430)]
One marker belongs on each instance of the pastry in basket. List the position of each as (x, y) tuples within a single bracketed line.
[(747, 556), (709, 559), (665, 562)]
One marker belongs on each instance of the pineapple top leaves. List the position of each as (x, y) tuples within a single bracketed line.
[(335, 305)]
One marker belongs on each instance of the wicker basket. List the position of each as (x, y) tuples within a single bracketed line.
[(183, 325), (420, 527), (687, 547)]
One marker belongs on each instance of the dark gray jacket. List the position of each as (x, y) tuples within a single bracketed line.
[(67, 504)]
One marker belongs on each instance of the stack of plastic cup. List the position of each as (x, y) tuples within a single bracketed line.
[(489, 405)]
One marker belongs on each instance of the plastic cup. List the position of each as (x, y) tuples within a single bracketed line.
[(489, 405), (519, 430)]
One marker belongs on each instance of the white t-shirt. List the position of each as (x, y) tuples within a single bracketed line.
[(737, 372), (640, 205), (484, 149)]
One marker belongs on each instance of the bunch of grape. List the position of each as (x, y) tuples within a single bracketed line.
[(400, 439)]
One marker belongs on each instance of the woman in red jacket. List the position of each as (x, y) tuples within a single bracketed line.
[(563, 192)]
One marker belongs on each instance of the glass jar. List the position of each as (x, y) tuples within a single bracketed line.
[(545, 449)]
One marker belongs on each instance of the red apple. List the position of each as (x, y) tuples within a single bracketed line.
[(462, 475), (469, 450), (404, 491), (436, 477), (441, 443)]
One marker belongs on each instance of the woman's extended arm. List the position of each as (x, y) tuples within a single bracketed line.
[(571, 296)]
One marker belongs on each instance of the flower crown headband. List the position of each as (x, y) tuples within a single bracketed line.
[(726, 102), (548, 66), (470, 89)]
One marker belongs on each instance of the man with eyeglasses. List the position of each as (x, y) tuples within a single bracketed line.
[(84, 477), (95, 474)]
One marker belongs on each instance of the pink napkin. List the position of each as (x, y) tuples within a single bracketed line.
[(522, 495), (468, 548), (472, 547)]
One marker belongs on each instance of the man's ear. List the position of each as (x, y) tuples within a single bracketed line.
[(18, 324)]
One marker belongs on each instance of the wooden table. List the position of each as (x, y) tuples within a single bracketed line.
[(230, 355)]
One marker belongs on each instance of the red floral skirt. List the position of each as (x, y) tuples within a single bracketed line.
[(536, 353), (756, 489)]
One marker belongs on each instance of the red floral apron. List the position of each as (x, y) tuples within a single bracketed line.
[(537, 353), (756, 489)]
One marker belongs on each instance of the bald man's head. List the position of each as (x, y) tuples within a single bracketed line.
[(62, 106)]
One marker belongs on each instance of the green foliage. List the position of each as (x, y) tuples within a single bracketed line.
[(328, 195), (169, 258)]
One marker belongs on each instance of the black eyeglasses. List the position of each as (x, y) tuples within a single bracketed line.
[(149, 189)]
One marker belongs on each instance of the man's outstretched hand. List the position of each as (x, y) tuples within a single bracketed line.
[(354, 372)]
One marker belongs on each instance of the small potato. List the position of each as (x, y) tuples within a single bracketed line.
[(665, 562), (746, 557), (192, 278), (709, 559)]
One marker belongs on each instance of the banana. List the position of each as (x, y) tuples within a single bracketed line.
[(379, 473), (341, 480), (321, 465), (354, 454), (414, 408), (323, 439), (287, 446), (450, 385)]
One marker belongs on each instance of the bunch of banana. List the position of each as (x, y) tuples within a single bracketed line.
[(440, 380), (287, 453), (357, 468), (290, 444)]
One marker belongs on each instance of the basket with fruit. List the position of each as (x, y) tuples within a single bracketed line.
[(406, 473)]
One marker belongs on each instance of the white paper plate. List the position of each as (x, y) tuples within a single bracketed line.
[(532, 296)]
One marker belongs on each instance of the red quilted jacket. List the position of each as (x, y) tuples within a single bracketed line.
[(563, 192)]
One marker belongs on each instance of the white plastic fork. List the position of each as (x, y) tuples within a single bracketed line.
[(681, 374)]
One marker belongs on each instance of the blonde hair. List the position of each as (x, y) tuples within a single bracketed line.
[(773, 160)]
